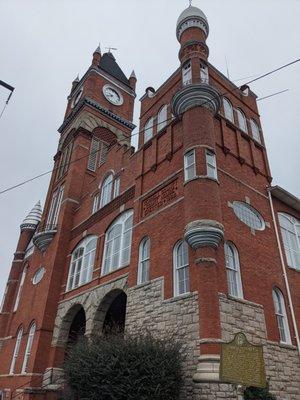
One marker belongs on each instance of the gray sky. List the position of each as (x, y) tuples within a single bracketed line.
[(45, 43)]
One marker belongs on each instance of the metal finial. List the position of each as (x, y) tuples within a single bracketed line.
[(110, 48), (190, 1)]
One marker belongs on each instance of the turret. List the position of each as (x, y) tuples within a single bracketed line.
[(96, 57), (197, 102), (132, 80)]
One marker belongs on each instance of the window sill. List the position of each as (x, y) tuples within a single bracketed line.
[(240, 300), (201, 177), (115, 270), (179, 297), (282, 345), (79, 286)]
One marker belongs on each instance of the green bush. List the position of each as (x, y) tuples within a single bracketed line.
[(252, 393), (123, 368)]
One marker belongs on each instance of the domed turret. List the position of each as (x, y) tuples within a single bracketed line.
[(33, 218), (191, 17)]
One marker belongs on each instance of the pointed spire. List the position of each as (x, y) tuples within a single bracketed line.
[(33, 218), (133, 74), (97, 56), (132, 80), (76, 79), (98, 49)]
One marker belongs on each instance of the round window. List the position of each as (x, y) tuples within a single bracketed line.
[(248, 215), (38, 276)]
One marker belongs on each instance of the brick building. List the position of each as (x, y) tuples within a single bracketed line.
[(185, 234)]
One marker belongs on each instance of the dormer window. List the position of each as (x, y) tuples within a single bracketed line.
[(204, 78), (187, 73)]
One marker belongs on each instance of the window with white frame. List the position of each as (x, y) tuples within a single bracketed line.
[(106, 190), (242, 122), (228, 109), (281, 316), (30, 249), (98, 153), (189, 165), (64, 160), (16, 351), (162, 118), (148, 130), (181, 268), (255, 131), (234, 279), (82, 263), (110, 189), (248, 215), (55, 208), (3, 298), (28, 347), (187, 73), (144, 260), (117, 245), (204, 77), (20, 289), (211, 164), (290, 230)]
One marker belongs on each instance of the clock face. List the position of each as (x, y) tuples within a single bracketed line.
[(112, 95)]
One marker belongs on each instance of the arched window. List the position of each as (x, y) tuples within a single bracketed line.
[(118, 243), (290, 230), (162, 118), (181, 268), (233, 270), (282, 321), (228, 110), (16, 351), (255, 131), (148, 133), (28, 347), (187, 73), (242, 120), (82, 262), (22, 280), (144, 261), (106, 190), (204, 77)]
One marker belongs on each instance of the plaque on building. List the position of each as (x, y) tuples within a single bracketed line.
[(160, 198), (242, 363)]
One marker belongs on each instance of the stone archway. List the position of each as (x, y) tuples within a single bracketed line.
[(77, 328), (111, 313)]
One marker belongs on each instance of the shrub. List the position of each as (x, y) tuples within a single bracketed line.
[(252, 393), (124, 368)]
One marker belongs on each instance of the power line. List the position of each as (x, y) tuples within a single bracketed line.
[(151, 127)]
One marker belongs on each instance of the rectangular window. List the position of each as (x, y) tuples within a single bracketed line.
[(204, 73), (187, 74), (64, 160), (117, 187), (211, 164), (189, 165), (20, 289), (3, 300), (55, 207)]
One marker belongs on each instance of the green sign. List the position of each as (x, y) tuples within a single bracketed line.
[(242, 363)]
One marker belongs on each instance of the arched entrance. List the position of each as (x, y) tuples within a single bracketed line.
[(111, 313), (114, 321), (77, 328)]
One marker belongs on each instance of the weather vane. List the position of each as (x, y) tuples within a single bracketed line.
[(190, 1), (110, 48)]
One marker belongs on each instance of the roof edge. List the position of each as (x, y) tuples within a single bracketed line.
[(286, 197)]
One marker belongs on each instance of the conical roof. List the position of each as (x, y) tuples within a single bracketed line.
[(108, 64), (191, 17), (33, 218)]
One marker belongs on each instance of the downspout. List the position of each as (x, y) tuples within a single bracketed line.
[(284, 272)]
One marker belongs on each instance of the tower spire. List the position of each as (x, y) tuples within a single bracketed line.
[(33, 218)]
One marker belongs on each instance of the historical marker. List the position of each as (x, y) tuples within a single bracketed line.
[(242, 363)]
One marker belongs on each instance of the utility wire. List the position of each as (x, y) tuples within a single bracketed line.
[(151, 127)]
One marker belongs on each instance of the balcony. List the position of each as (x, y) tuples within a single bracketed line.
[(44, 235)]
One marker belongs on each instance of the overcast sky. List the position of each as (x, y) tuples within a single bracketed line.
[(44, 44)]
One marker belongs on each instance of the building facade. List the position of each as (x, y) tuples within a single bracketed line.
[(184, 235)]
